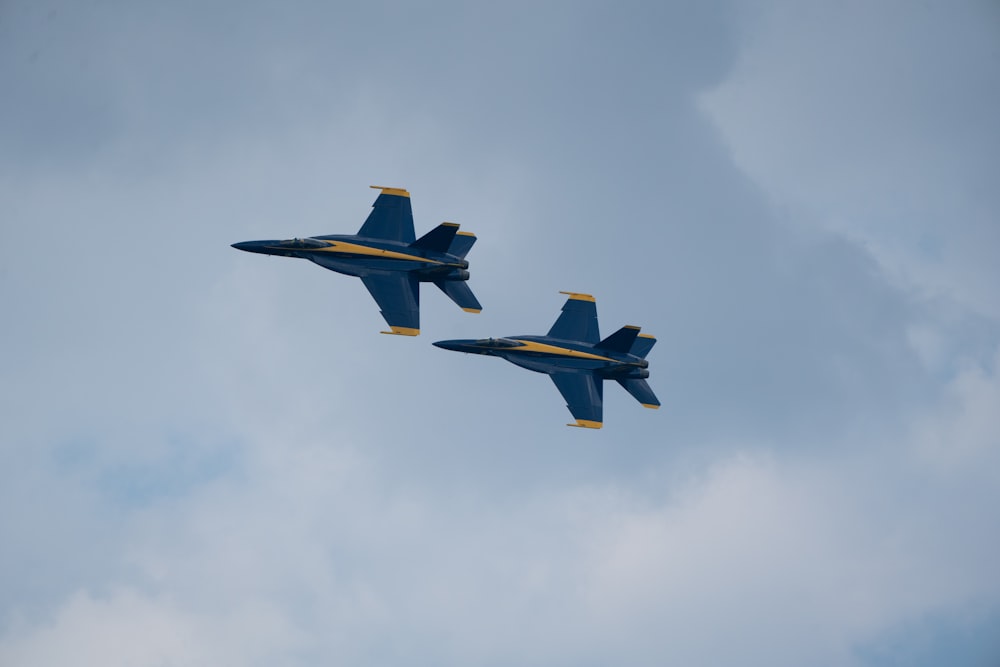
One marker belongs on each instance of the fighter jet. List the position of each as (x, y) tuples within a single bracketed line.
[(576, 358), (390, 260)]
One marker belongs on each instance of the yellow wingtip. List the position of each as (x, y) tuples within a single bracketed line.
[(579, 296), (400, 192), (466, 234), (473, 310), (586, 423), (402, 331), (651, 406), (642, 335)]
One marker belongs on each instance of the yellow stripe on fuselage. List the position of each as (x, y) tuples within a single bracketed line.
[(532, 346), (343, 247)]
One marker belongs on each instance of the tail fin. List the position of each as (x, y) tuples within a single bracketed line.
[(438, 239), (642, 345), (462, 244), (459, 292), (621, 340), (640, 391)]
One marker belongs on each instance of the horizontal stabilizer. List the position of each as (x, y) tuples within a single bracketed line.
[(459, 292), (462, 244), (640, 391), (621, 340), (642, 345), (438, 239)]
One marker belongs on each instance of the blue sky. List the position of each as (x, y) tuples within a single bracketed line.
[(208, 457)]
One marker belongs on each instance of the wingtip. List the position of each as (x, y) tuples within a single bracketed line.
[(402, 331), (651, 406), (579, 296), (586, 423), (473, 310), (399, 192)]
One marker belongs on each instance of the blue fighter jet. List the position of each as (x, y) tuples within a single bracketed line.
[(390, 260), (576, 358)]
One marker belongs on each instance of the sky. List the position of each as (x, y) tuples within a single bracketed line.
[(210, 457)]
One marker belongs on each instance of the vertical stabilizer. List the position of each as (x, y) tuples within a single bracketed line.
[(438, 239), (621, 340), (462, 244), (642, 345)]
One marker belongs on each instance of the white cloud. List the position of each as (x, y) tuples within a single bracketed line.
[(794, 565), (128, 628), (323, 494), (962, 436), (314, 556), (877, 121)]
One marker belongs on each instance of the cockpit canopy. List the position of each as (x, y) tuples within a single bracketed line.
[(499, 342), (303, 243)]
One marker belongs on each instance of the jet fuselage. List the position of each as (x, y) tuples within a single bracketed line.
[(543, 354), (390, 260), (359, 256)]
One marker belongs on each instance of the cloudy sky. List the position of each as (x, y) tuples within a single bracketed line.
[(213, 458)]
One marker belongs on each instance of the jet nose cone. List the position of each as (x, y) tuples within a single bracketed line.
[(253, 246), (456, 345)]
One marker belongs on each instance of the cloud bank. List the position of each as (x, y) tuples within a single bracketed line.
[(210, 458)]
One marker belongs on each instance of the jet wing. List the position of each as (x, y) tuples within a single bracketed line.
[(391, 218), (578, 320), (584, 394), (398, 295)]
